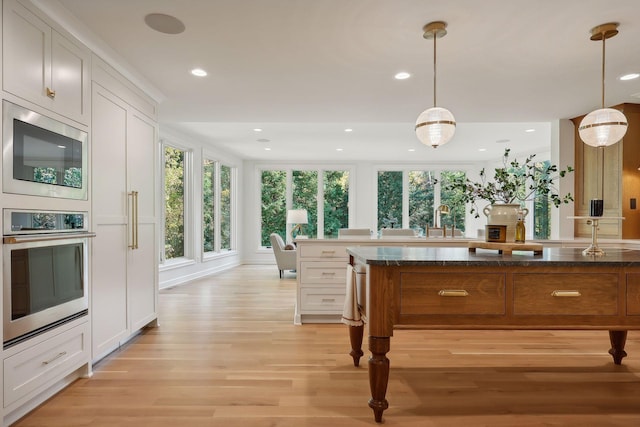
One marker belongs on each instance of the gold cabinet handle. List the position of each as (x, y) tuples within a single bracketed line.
[(563, 294), (328, 273), (328, 252), (51, 93), (453, 293), (133, 219), (58, 356), (328, 300)]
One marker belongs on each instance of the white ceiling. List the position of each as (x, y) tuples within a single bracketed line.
[(304, 70)]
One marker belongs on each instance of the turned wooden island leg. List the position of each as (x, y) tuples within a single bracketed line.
[(618, 340), (378, 375), (355, 336)]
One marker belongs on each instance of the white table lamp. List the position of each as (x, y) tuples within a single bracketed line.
[(298, 217)]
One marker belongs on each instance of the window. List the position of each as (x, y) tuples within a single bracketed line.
[(323, 193), (174, 192), (273, 213), (208, 205), (217, 206), (408, 199), (336, 202), (542, 209)]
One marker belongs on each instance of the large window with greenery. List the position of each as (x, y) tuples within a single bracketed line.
[(336, 202), (542, 207), (216, 206), (323, 193), (225, 207), (408, 199), (273, 211), (174, 203)]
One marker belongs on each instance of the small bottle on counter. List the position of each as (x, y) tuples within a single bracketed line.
[(520, 230)]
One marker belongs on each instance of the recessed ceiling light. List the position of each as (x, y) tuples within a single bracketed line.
[(629, 76), (199, 72), (339, 149), (502, 141), (257, 130), (348, 130), (529, 130), (412, 149), (166, 24), (482, 149), (267, 149), (403, 75)]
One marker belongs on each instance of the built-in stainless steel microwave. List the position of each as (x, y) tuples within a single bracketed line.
[(42, 156)]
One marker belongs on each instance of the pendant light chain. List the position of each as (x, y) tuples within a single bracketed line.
[(603, 53)]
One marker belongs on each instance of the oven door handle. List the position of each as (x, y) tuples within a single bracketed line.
[(10, 240)]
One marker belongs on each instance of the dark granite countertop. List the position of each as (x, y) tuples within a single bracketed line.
[(417, 256)]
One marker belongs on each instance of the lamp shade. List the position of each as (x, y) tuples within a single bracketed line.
[(435, 126), (603, 127), (297, 216)]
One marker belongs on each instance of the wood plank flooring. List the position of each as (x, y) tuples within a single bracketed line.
[(226, 353)]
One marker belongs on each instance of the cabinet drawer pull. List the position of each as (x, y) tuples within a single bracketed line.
[(453, 293), (328, 300), (328, 252), (51, 93), (58, 356), (566, 294), (328, 273)]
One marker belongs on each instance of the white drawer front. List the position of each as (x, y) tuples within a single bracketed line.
[(325, 301), (50, 360), (323, 251), (323, 272)]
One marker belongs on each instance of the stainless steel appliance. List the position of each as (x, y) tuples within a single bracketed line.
[(42, 156), (45, 266)]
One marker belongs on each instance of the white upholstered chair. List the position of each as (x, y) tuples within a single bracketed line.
[(286, 259), (354, 233), (397, 232)]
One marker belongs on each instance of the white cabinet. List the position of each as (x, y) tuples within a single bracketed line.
[(124, 264), (43, 66)]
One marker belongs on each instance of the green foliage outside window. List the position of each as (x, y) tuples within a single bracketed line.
[(208, 205), (336, 202), (454, 198), (225, 207), (542, 206), (389, 199), (305, 196), (273, 205), (174, 202), (421, 185)]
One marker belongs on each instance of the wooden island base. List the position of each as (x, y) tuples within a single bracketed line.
[(453, 289)]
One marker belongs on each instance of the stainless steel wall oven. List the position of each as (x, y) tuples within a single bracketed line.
[(45, 267)]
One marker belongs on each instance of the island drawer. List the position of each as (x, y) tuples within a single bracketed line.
[(323, 272), (322, 300), (565, 294), (323, 251), (446, 293)]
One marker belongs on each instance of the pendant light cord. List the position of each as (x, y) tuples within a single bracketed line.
[(434, 68), (603, 53)]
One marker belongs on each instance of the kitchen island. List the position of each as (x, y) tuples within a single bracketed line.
[(452, 288)]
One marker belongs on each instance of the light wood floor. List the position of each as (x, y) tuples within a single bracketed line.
[(227, 354)]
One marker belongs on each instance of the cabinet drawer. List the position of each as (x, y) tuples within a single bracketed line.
[(48, 361), (565, 294), (445, 293), (323, 251), (322, 300), (323, 272)]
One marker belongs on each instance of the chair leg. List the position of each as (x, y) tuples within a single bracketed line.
[(280, 273)]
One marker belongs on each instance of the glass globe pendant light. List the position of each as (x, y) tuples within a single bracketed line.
[(435, 126), (605, 126)]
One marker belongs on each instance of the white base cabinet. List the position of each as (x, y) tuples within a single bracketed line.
[(37, 368)]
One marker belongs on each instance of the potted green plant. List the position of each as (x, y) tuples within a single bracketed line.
[(513, 183)]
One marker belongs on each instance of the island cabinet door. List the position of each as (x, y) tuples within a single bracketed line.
[(561, 294)]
